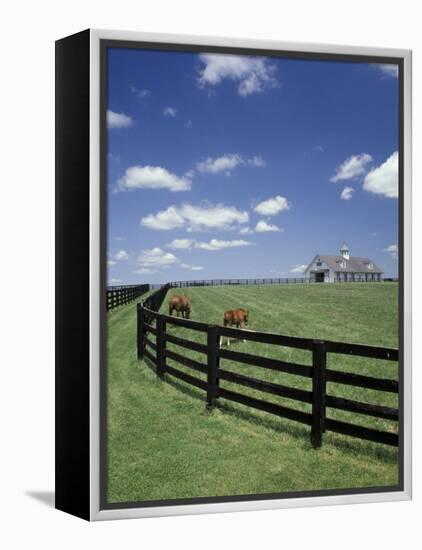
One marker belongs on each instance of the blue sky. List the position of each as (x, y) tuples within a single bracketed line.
[(228, 166)]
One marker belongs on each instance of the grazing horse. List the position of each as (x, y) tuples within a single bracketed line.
[(235, 317), (179, 304)]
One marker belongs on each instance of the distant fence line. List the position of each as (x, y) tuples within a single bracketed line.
[(254, 281), (156, 351), (123, 294), (220, 282)]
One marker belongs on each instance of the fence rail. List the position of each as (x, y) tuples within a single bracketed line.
[(255, 281), (214, 385), (220, 282), (121, 295)]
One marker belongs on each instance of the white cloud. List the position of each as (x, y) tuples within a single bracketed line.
[(373, 234), (352, 167), (220, 164), (192, 267), (246, 231), (213, 244), (388, 70), (393, 250), (156, 258), (272, 206), (216, 244), (196, 218), (257, 160), (114, 281), (153, 177), (254, 74), (169, 111), (318, 148), (228, 162), (189, 174), (165, 220), (121, 255), (181, 244), (188, 124), (139, 92), (118, 120), (146, 271), (347, 193), (299, 268), (262, 227), (384, 179), (113, 158)]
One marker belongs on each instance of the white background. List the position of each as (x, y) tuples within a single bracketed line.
[(27, 271)]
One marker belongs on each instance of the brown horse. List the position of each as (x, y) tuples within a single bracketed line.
[(180, 304), (238, 318)]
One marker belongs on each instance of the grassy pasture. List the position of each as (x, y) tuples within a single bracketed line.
[(163, 444)]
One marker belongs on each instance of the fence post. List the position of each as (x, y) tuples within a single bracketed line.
[(319, 360), (161, 344), (212, 378), (140, 331)]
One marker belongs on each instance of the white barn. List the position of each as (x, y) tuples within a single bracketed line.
[(347, 268)]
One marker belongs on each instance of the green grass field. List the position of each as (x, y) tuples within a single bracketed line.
[(163, 444)]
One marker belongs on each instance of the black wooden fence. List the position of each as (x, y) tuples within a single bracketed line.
[(219, 282), (255, 281), (157, 352), (153, 301), (121, 295)]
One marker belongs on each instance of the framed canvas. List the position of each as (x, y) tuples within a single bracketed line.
[(233, 277)]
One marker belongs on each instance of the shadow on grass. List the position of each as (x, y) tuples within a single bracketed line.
[(191, 391), (149, 364), (298, 431), (357, 447), (276, 424)]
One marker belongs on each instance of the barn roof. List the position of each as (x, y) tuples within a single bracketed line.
[(353, 264)]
